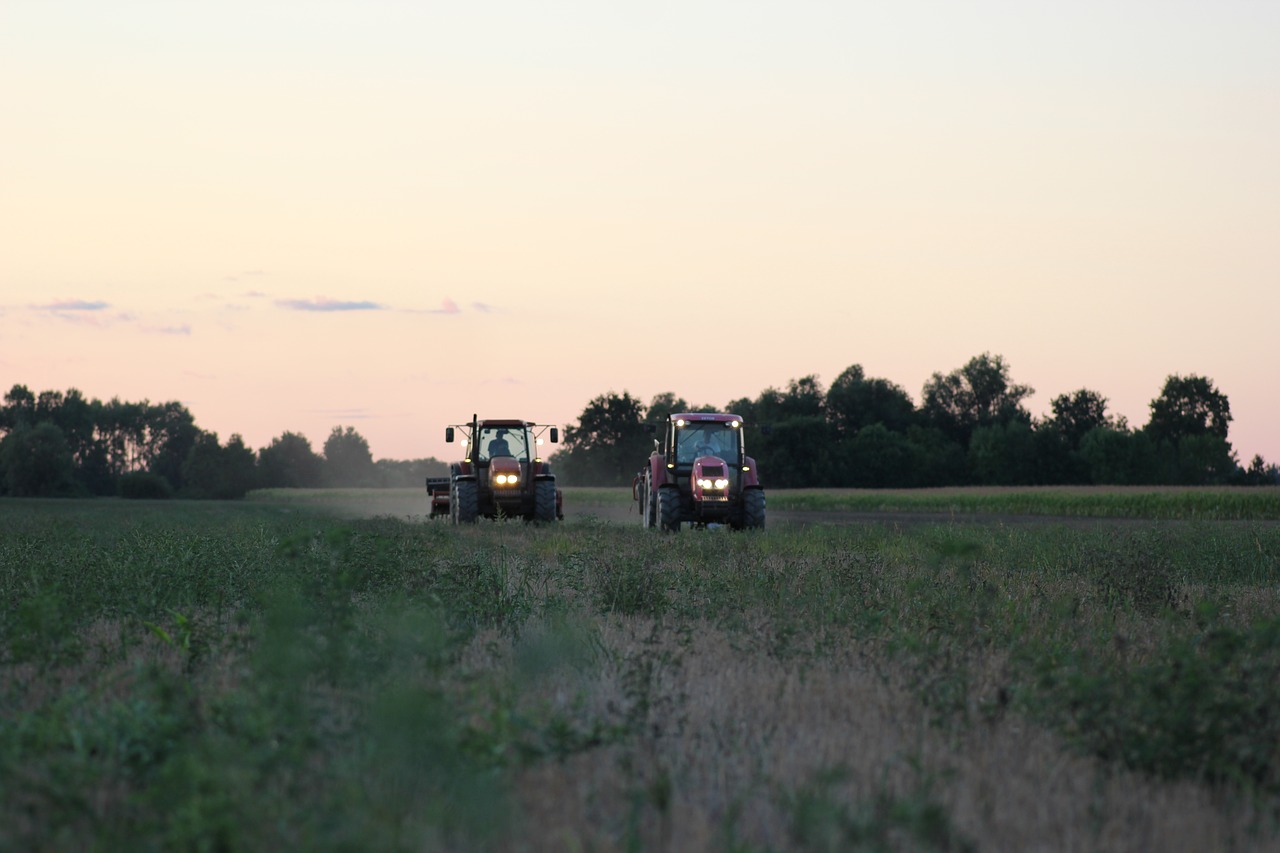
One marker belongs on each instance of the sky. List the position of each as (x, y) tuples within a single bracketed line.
[(291, 216)]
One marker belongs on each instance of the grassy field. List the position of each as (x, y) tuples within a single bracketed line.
[(326, 670)]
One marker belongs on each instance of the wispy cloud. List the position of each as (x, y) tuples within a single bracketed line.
[(184, 329), (67, 305), (483, 307), (325, 304)]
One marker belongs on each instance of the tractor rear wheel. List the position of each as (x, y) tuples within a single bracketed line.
[(544, 500), (753, 509), (669, 509), (467, 502)]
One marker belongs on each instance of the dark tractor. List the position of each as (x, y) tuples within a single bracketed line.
[(502, 474), (700, 474)]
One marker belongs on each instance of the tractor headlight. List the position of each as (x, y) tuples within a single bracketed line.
[(506, 479), (722, 483), (704, 484)]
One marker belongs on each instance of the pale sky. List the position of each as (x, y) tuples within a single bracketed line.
[(290, 216)]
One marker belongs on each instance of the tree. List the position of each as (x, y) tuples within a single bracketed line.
[(978, 394), (608, 444), (19, 408), (855, 402), (37, 461), (1116, 456), (1075, 414), (878, 458), (347, 460), (289, 463), (222, 473), (1201, 460), (663, 405), (1003, 454), (1188, 406)]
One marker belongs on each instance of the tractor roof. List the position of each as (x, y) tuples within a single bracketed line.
[(719, 417), (501, 422)]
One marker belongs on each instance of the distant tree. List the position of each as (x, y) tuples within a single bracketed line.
[(214, 471), (202, 472), (663, 405), (171, 432), (1199, 460), (1077, 413), (1259, 473), (978, 394), (877, 457), (802, 398), (347, 460), (289, 463), (1117, 456), (1004, 454), (797, 452), (19, 408), (942, 459), (1188, 406), (855, 402), (37, 461), (608, 444), (1056, 461)]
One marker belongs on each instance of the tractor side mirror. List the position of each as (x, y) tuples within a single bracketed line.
[(448, 434), (555, 435)]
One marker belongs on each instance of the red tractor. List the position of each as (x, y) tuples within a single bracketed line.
[(502, 474), (700, 474)]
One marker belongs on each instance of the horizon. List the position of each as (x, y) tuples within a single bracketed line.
[(296, 217)]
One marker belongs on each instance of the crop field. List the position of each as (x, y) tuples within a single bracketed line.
[(330, 670)]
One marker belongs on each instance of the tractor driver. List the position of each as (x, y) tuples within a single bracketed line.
[(498, 446)]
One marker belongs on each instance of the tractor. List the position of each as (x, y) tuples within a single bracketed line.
[(700, 474), (502, 474)]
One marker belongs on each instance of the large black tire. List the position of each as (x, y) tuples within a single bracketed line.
[(669, 509), (544, 500), (648, 503), (466, 502), (753, 509)]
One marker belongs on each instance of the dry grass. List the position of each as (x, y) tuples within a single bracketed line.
[(739, 735)]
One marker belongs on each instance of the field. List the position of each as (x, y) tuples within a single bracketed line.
[(329, 670)]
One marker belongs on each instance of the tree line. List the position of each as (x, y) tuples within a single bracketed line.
[(65, 445), (971, 428)]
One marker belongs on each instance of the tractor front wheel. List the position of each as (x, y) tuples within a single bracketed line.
[(467, 503), (669, 509), (544, 500), (753, 509)]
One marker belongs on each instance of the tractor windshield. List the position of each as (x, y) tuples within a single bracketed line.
[(502, 441), (710, 438)]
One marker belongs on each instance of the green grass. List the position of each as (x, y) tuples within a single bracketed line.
[(1127, 502), (326, 670)]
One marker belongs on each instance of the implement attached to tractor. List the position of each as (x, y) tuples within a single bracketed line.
[(502, 474), (700, 474)]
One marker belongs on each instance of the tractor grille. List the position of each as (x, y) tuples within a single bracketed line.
[(713, 470)]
